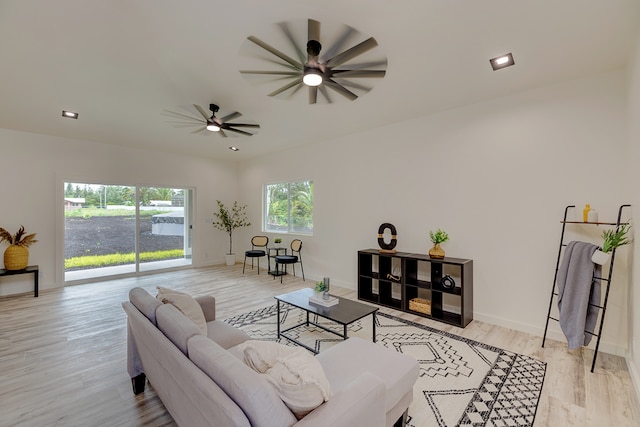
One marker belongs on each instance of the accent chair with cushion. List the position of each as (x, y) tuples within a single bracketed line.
[(296, 247), (256, 243)]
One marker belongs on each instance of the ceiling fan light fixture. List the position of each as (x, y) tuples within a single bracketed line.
[(312, 76), (502, 61), (213, 127)]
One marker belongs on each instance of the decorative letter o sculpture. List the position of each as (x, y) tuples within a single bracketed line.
[(387, 247)]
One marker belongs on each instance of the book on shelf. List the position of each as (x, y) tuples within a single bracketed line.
[(317, 299)]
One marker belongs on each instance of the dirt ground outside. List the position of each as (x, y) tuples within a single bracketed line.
[(103, 235)]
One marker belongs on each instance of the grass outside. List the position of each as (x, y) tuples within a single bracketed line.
[(92, 211), (96, 261)]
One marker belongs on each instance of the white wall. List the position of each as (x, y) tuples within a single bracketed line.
[(34, 167), (633, 357), (496, 175)]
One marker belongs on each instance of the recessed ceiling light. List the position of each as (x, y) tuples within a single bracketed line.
[(502, 61), (234, 149), (69, 114)]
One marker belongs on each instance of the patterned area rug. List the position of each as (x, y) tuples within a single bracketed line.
[(462, 382)]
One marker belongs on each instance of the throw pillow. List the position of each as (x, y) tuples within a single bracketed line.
[(186, 304), (295, 374)]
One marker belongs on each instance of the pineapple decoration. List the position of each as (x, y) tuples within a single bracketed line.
[(16, 256)]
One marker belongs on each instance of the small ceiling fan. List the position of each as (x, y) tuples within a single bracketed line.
[(320, 72), (211, 123)]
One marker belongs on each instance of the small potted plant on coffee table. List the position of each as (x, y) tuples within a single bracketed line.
[(277, 241)]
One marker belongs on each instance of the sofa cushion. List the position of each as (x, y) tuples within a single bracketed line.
[(342, 363), (248, 389), (176, 326), (225, 335), (296, 375), (186, 304), (145, 303)]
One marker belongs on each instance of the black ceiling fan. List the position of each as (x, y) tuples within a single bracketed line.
[(321, 71), (211, 123)]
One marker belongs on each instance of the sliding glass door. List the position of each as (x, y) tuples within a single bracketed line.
[(112, 229)]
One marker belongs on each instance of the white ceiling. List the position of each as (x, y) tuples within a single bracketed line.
[(120, 63)]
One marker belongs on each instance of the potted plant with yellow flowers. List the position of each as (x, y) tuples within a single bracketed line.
[(16, 256)]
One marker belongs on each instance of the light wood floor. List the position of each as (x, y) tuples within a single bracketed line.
[(63, 355)]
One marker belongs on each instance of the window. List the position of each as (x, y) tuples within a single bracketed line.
[(288, 207), (112, 229)]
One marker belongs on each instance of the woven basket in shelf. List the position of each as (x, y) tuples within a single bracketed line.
[(16, 258), (420, 305)]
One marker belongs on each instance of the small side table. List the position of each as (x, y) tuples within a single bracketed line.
[(30, 269), (269, 256)]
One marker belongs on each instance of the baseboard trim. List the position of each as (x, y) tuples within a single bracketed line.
[(553, 333)]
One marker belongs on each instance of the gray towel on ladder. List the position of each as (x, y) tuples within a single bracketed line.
[(577, 288)]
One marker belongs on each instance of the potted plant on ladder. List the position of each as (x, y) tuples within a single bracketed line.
[(229, 220), (611, 240)]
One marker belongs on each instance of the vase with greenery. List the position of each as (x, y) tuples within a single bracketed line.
[(437, 237), (16, 256), (228, 220), (611, 239), (277, 241), (322, 287)]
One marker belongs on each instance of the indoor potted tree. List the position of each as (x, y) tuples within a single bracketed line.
[(437, 237), (611, 240), (229, 220), (16, 256)]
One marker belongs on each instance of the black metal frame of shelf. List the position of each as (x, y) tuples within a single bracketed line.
[(409, 285), (603, 306)]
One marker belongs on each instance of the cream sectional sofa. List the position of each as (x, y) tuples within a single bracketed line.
[(202, 380)]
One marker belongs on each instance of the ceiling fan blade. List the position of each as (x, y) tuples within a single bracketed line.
[(286, 87), (350, 84), (276, 52), (203, 130), (313, 30), (339, 44), (230, 116), (245, 125), (379, 64), (222, 134), (341, 89), (351, 53), (203, 112), (182, 124), (183, 116), (287, 32), (358, 73), (325, 93), (274, 73), (313, 94), (238, 131)]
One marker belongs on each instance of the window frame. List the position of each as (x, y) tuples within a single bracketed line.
[(289, 226)]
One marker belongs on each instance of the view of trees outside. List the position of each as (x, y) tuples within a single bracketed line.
[(102, 195), (100, 225), (289, 207)]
